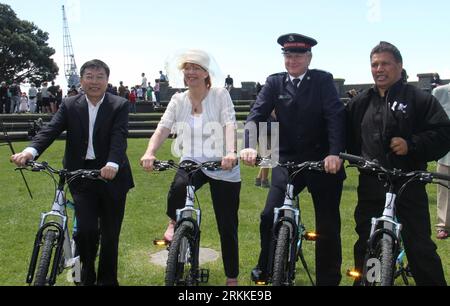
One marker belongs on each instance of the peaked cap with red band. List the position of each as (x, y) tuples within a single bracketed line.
[(294, 42)]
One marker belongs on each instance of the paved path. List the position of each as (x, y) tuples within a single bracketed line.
[(206, 255)]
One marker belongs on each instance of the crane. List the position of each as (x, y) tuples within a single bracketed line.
[(70, 66)]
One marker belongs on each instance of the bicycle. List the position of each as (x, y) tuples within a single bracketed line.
[(289, 231), (53, 236), (385, 244), (183, 259)]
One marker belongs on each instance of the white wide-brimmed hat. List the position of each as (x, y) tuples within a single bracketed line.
[(174, 64), (194, 56)]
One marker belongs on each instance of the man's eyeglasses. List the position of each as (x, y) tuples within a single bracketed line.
[(91, 78)]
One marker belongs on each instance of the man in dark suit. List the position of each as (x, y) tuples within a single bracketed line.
[(311, 127), (97, 127)]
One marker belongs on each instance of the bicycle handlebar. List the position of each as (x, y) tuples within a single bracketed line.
[(93, 174), (311, 165), (374, 166), (188, 166)]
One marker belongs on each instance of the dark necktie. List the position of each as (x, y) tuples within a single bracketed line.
[(296, 81)]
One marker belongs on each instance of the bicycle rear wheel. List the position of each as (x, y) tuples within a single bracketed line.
[(181, 262), (50, 238), (281, 265)]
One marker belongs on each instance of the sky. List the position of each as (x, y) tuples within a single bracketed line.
[(138, 36)]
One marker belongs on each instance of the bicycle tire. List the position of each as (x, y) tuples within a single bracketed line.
[(179, 272), (46, 256), (387, 262), (280, 274), (384, 253)]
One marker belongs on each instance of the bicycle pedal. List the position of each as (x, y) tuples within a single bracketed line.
[(203, 275), (161, 242)]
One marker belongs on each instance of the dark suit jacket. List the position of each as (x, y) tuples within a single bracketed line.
[(110, 135), (311, 117)]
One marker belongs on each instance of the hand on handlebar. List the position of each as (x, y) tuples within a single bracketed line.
[(147, 161), (248, 156), (229, 161), (332, 164), (108, 172), (21, 158)]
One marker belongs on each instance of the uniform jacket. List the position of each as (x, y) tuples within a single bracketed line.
[(415, 115), (311, 117), (110, 135)]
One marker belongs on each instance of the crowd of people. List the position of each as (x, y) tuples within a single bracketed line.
[(43, 99), (47, 99), (396, 123)]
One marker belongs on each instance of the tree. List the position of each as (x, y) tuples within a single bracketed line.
[(24, 52)]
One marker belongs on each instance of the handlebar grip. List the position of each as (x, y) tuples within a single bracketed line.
[(352, 158), (441, 176)]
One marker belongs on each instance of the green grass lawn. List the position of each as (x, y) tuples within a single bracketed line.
[(145, 220)]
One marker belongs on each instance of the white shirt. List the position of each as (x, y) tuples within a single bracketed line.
[(218, 109), (90, 154), (93, 110), (300, 78)]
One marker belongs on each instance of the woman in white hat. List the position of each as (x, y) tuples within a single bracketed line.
[(200, 117)]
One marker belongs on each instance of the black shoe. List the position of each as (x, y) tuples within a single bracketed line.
[(258, 276)]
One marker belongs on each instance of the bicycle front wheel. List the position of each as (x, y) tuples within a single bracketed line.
[(181, 267), (46, 257), (281, 265), (384, 274)]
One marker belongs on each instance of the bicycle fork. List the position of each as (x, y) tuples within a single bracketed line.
[(62, 246), (389, 231), (187, 214), (287, 214)]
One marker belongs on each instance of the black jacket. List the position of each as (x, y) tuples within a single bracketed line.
[(416, 116), (109, 138)]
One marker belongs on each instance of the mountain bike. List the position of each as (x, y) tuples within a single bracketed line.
[(385, 258), (289, 230), (54, 247), (183, 259)]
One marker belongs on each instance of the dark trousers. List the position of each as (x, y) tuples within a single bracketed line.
[(99, 210), (4, 103), (225, 200), (412, 212), (326, 190), (157, 98)]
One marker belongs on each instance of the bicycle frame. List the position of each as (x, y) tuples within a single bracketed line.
[(65, 248), (56, 220), (191, 215), (290, 214), (187, 214), (386, 227)]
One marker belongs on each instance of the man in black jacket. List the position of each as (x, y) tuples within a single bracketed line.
[(97, 127), (404, 128)]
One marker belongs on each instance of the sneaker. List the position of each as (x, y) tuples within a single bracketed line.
[(442, 234), (265, 184), (168, 235), (257, 182)]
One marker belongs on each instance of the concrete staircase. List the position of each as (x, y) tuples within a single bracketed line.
[(141, 125)]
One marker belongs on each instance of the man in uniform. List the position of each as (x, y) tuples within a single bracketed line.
[(311, 126)]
